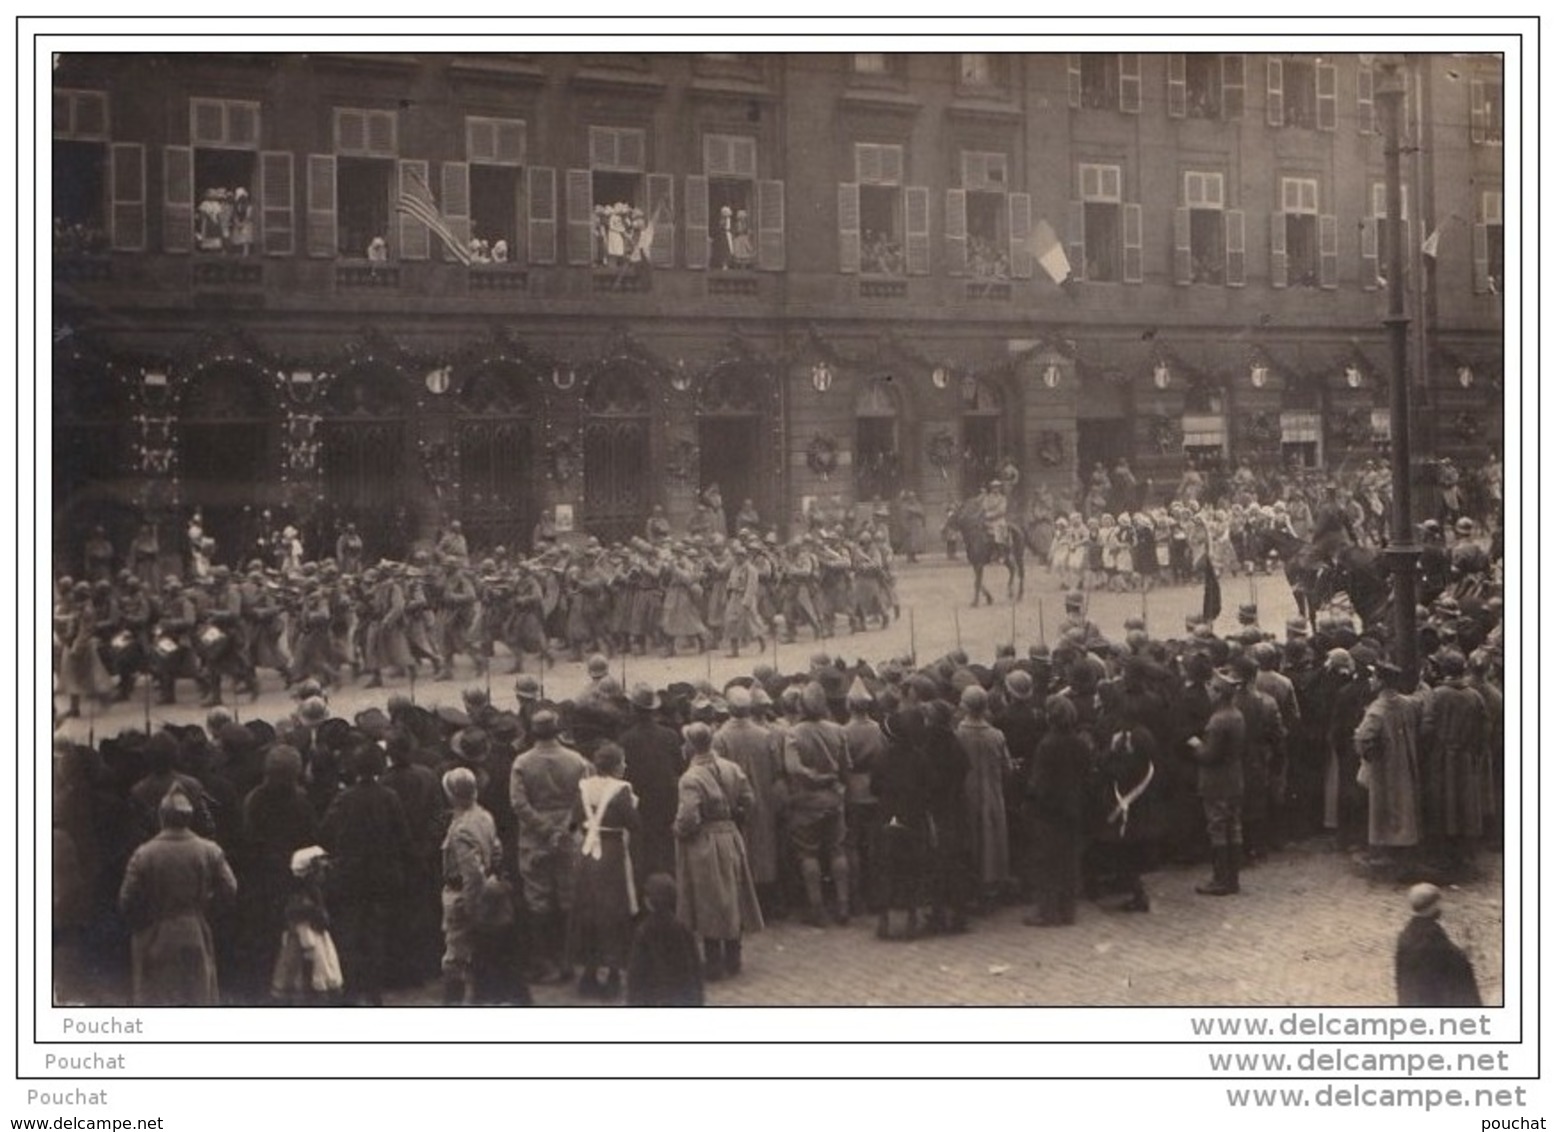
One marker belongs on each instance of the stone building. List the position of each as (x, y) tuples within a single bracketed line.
[(797, 276)]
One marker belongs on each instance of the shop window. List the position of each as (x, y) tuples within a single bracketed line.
[(1300, 433)]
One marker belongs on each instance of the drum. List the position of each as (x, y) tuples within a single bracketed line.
[(211, 642), (121, 642), (166, 647)]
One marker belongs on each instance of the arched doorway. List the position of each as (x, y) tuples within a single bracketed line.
[(226, 452), (91, 484), (496, 434), (734, 407), (618, 472), (983, 433), (877, 441), (364, 462)]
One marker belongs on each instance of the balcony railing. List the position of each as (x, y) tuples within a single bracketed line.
[(489, 280), (227, 273), (366, 277), (883, 288)]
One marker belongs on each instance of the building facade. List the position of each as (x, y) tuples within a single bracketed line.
[(795, 276)]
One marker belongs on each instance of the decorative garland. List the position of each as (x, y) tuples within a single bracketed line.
[(821, 455), (683, 462), (561, 461)]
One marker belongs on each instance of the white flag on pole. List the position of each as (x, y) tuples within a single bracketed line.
[(1049, 252)]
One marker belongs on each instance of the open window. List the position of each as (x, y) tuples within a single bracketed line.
[(1200, 230), (1486, 112), (489, 213), (878, 232), (1376, 255), (81, 180), (1304, 244), (1487, 249), (1105, 232), (216, 179)]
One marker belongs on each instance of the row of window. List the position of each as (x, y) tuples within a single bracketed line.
[(228, 199)]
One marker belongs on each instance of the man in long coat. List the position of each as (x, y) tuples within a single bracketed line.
[(654, 766), (758, 752), (988, 767), (1455, 728), (171, 882), (1388, 743)]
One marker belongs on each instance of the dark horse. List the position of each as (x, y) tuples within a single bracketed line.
[(981, 550), (1317, 578)]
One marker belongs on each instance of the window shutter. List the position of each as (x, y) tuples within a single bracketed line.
[(1369, 254), (1365, 120), (322, 240), (1177, 85), (698, 223), (1328, 252), (275, 202), (64, 103), (1077, 239), (1233, 70), (243, 125), (1236, 257), (718, 155), (1020, 205), (1477, 111), (956, 230), (580, 216), (1182, 247), (1326, 78), (1278, 266), (480, 140), (1274, 87), (631, 149), (743, 157), (381, 141), (540, 183), (350, 130), (916, 246), (206, 125), (1073, 62), (848, 228), (771, 234), (177, 198), (91, 115), (454, 180), (1134, 245), (415, 237), (1129, 82), (1480, 254), (661, 213), (512, 142), (891, 164), (127, 197)]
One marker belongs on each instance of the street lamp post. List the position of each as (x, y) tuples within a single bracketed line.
[(1403, 551)]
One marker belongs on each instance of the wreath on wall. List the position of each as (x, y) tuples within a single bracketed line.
[(1467, 427), (943, 452), (1050, 448), (561, 461), (683, 460), (821, 455), (1355, 427), (1264, 430), (1166, 434)]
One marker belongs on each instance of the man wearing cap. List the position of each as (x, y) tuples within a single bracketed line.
[(757, 750), (1075, 618), (653, 767), (743, 603), (815, 761), (543, 787), (1219, 753), (1455, 728), (1388, 742), (170, 884), (994, 507), (1429, 968)]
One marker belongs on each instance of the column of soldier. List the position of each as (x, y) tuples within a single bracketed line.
[(923, 793), (336, 617)]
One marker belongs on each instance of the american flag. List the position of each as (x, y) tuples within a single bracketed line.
[(416, 200)]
